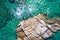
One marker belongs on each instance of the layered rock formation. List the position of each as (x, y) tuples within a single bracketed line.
[(36, 28)]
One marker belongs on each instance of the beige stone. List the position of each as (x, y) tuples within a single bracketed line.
[(36, 26)]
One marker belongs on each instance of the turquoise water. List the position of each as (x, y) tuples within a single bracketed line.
[(10, 15), (34, 7)]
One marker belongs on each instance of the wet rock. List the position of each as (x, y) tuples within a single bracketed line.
[(56, 20), (49, 22), (21, 35), (19, 38), (41, 17)]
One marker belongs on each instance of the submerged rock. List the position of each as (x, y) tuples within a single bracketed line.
[(56, 20), (36, 28), (12, 1), (49, 22)]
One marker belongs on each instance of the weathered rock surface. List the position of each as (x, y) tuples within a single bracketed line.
[(36, 28)]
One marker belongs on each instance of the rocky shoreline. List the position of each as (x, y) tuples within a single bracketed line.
[(37, 28)]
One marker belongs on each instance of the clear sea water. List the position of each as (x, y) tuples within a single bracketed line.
[(12, 12)]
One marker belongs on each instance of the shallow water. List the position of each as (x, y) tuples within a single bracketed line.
[(21, 10)]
